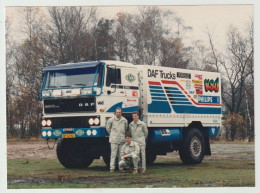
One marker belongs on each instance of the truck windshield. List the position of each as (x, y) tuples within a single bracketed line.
[(81, 77)]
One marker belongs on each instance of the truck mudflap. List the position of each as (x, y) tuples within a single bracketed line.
[(213, 131), (48, 132)]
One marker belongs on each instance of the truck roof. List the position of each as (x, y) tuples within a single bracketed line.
[(142, 67), (86, 64)]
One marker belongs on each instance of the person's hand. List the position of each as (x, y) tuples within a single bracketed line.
[(125, 156)]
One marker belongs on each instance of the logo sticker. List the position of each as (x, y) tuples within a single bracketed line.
[(198, 88), (198, 76), (183, 75), (211, 85), (209, 99), (188, 85), (56, 133), (79, 132), (197, 81), (135, 93), (130, 77)]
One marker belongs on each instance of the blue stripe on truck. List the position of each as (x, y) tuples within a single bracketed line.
[(195, 110), (124, 110), (159, 107)]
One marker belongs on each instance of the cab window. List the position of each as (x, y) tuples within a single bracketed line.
[(113, 76)]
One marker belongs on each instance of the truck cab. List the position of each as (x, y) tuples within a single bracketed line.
[(78, 99)]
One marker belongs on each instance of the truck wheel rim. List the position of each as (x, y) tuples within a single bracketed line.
[(195, 146)]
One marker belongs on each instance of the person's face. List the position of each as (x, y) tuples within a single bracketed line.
[(118, 113), (135, 117), (128, 140)]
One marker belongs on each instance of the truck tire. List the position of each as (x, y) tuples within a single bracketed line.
[(192, 149), (72, 154), (106, 159), (150, 158)]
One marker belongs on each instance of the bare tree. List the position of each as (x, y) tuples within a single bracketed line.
[(68, 33), (10, 47), (236, 65)]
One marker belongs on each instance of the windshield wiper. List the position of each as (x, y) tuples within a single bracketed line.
[(80, 84), (65, 86)]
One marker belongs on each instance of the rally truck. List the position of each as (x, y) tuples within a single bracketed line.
[(181, 108)]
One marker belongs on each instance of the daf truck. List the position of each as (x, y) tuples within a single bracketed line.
[(181, 108)]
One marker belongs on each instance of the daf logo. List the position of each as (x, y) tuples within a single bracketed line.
[(86, 104)]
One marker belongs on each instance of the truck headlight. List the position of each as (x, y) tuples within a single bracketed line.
[(44, 133), (49, 122), (88, 132), (44, 123), (86, 91), (46, 93), (49, 133), (91, 121), (56, 93), (75, 91), (94, 132), (96, 121)]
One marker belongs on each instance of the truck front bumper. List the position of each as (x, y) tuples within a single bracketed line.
[(48, 132)]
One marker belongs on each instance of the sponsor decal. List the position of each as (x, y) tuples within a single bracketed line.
[(183, 75), (195, 96), (161, 74), (56, 133), (135, 93), (197, 81), (213, 130), (130, 77), (100, 102), (198, 76), (51, 106), (182, 80), (191, 92), (198, 88), (79, 132), (68, 129), (130, 100), (188, 85), (86, 104), (165, 132), (211, 85), (209, 99)]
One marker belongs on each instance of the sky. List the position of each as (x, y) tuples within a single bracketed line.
[(215, 18)]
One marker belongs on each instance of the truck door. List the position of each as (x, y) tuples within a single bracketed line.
[(122, 88)]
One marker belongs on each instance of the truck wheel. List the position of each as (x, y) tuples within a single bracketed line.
[(192, 149), (72, 154), (150, 158), (106, 159)]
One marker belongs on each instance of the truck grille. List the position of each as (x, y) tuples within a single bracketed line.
[(70, 105)]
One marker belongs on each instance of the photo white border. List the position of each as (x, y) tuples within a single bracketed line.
[(3, 152)]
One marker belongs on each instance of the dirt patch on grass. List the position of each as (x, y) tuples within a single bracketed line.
[(39, 150)]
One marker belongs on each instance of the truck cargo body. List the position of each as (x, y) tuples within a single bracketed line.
[(180, 107)]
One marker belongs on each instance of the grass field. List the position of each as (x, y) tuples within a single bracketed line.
[(49, 173)]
